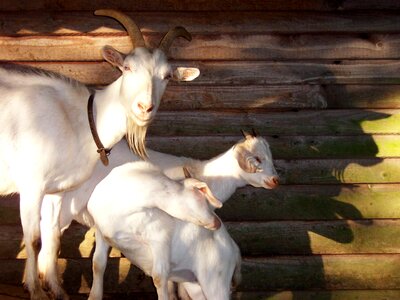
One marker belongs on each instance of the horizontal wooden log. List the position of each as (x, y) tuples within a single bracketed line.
[(368, 74), (284, 147), (333, 171), (317, 237), (209, 47), (307, 202), (75, 22), (250, 97), (373, 201), (187, 5), (329, 272), (332, 272), (312, 123), (281, 97)]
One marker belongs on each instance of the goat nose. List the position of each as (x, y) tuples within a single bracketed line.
[(273, 182), (145, 108)]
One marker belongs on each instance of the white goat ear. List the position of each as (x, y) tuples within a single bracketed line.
[(203, 187), (113, 56), (185, 74), (244, 159), (247, 135)]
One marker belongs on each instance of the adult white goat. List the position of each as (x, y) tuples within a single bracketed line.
[(162, 246), (46, 145), (248, 162)]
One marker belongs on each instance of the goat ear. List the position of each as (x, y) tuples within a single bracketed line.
[(186, 172), (185, 74), (246, 134), (113, 56), (244, 160), (203, 187)]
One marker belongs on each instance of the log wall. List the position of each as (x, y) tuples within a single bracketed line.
[(319, 79)]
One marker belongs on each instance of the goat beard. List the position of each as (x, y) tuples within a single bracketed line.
[(136, 137)]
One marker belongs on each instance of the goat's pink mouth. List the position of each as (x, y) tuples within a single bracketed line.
[(271, 183), (142, 121)]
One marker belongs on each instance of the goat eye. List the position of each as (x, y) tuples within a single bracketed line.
[(258, 159), (127, 68), (167, 76)]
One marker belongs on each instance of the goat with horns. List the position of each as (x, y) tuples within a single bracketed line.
[(46, 143)]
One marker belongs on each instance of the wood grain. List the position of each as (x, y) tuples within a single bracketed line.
[(290, 123), (200, 22), (338, 272), (209, 47), (187, 5), (284, 147), (290, 202), (254, 239), (358, 74)]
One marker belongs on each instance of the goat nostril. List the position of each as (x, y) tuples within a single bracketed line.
[(141, 106), (145, 108), (273, 182), (150, 108)]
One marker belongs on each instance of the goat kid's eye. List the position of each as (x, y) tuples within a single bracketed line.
[(127, 68), (167, 76)]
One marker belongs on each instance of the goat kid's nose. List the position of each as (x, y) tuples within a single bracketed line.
[(145, 108), (273, 182)]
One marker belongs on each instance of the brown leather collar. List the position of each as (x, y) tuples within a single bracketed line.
[(104, 153)]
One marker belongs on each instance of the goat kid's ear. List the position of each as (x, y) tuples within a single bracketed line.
[(203, 188), (186, 172), (185, 74), (247, 135), (113, 56)]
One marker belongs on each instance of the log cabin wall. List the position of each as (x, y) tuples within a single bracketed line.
[(319, 79)]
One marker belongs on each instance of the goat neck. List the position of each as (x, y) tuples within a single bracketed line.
[(221, 173), (110, 115)]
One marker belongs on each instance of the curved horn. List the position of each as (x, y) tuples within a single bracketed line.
[(171, 35), (133, 30)]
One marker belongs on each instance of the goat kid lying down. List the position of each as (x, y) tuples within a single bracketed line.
[(164, 247), (249, 161)]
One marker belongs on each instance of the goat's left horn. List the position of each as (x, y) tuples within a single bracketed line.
[(171, 35), (133, 30)]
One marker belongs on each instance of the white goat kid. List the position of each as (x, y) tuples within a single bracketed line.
[(132, 222), (248, 162), (142, 234), (46, 146)]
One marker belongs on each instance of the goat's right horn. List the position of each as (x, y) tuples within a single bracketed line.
[(133, 30), (171, 35)]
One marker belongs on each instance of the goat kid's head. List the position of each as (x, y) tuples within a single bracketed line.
[(145, 74), (198, 204), (255, 160)]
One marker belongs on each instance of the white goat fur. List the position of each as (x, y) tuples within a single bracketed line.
[(46, 146), (162, 246), (223, 175)]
